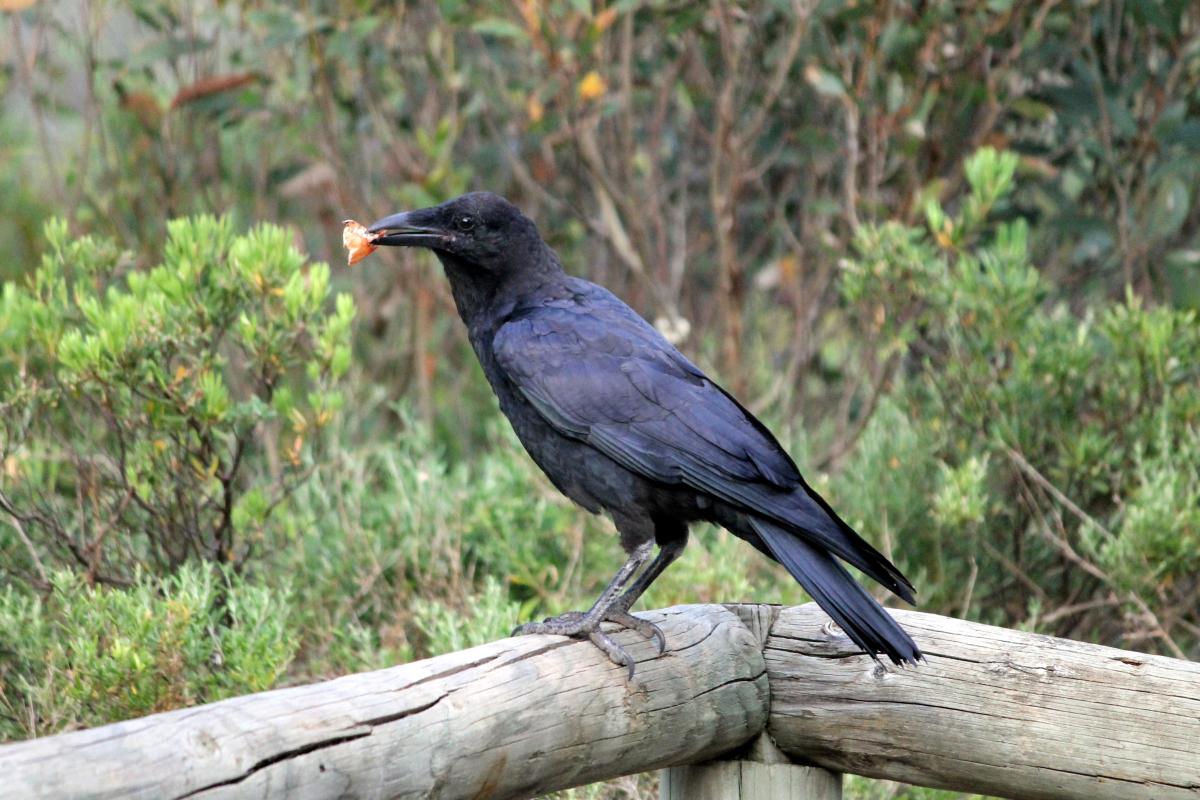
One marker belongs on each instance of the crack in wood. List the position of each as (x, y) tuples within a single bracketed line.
[(710, 690), (1133, 781), (707, 635), (311, 747), (408, 712), (750, 679), (870, 757), (437, 676)]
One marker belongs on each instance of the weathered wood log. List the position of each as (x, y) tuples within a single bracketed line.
[(514, 718), (993, 710)]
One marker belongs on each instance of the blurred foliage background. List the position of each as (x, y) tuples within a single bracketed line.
[(948, 250)]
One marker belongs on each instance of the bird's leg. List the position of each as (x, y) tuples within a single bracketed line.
[(619, 611), (587, 623)]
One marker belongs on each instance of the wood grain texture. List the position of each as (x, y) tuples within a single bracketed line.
[(993, 710), (514, 718), (749, 780), (759, 772)]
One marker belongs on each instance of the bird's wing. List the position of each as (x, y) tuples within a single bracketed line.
[(598, 372), (619, 385)]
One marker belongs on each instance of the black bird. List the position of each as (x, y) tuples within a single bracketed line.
[(621, 422)]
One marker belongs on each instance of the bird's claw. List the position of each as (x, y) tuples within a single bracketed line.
[(577, 624), (614, 651), (643, 626)]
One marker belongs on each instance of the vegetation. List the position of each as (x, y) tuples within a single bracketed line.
[(949, 252), (131, 398), (87, 655), (1055, 482)]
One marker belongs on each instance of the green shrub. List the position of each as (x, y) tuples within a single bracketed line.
[(857, 787), (130, 400), (719, 183), (484, 617), (381, 528), (1050, 453), (88, 655)]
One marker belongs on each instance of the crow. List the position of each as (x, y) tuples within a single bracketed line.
[(623, 423)]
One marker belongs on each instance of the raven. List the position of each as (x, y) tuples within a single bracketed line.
[(622, 422)]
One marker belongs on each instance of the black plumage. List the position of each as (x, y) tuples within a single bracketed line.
[(622, 422)]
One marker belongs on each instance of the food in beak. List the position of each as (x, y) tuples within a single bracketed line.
[(357, 240)]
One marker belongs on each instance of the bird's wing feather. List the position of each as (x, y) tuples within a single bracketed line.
[(598, 372), (618, 384)]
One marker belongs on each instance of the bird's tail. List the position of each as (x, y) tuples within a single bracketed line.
[(836, 591)]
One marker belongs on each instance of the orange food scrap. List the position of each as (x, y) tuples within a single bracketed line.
[(357, 240)]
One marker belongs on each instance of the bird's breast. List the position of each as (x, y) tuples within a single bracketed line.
[(574, 467)]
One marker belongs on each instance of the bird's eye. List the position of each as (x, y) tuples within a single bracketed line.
[(464, 222)]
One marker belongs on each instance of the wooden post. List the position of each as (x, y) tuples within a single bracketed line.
[(758, 771), (762, 773)]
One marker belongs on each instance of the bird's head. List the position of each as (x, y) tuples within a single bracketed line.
[(481, 231)]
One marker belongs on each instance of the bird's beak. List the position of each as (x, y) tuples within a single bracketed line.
[(408, 229)]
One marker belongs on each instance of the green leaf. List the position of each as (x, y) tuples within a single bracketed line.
[(1185, 133), (824, 81), (501, 28), (1169, 208)]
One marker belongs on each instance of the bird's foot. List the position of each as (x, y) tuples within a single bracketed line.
[(579, 624)]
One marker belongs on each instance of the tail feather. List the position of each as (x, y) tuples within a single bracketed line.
[(836, 591), (808, 515)]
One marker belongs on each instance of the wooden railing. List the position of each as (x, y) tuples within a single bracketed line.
[(743, 696)]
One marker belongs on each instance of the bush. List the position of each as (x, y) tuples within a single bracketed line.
[(1064, 442), (88, 655), (129, 400), (383, 529), (487, 616), (711, 162)]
